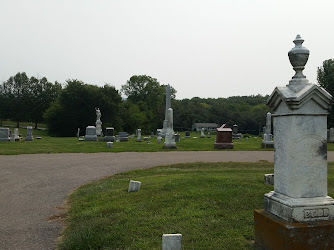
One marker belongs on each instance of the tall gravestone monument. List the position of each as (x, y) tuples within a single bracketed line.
[(169, 138), (267, 136), (298, 214), (168, 106)]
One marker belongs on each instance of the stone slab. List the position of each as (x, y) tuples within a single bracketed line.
[(269, 179), (272, 232), (171, 241), (134, 186)]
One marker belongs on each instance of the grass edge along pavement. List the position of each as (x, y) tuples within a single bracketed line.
[(210, 204), (49, 145)]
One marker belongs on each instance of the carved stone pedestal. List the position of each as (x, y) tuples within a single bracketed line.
[(272, 232)]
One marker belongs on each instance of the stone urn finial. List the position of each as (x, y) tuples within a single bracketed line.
[(298, 57)]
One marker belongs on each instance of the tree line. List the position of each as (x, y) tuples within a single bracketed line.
[(69, 106)]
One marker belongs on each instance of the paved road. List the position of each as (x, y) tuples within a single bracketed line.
[(33, 186)]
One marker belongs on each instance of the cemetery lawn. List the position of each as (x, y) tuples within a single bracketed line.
[(48, 145), (210, 204)]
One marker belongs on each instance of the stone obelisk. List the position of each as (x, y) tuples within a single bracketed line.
[(168, 106)]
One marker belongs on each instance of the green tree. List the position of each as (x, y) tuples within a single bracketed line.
[(325, 77), (75, 108), (17, 92), (147, 93), (43, 93)]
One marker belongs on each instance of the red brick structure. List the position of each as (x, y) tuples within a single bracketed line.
[(223, 138)]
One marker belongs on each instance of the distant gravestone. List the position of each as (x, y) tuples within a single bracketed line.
[(330, 137), (209, 135), (169, 138), (159, 138), (146, 138), (138, 132), (223, 138), (235, 134), (109, 137), (78, 133), (17, 135), (268, 137), (109, 144), (187, 134), (152, 135), (4, 134), (29, 136), (123, 136), (168, 106), (202, 133), (91, 134), (177, 137)]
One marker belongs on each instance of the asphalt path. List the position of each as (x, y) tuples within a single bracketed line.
[(34, 187)]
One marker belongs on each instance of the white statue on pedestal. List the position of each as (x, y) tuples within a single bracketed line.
[(98, 122)]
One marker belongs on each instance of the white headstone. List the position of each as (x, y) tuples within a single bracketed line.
[(138, 132), (4, 134), (268, 137), (171, 241), (134, 186), (109, 144), (202, 133), (90, 134), (29, 136), (300, 164)]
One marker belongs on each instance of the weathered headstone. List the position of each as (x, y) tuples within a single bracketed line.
[(177, 137), (235, 134), (78, 133), (298, 213), (98, 122), (171, 241), (4, 134), (269, 179), (29, 136), (110, 136), (209, 135), (145, 138), (123, 136), (17, 134), (187, 134), (159, 138), (138, 132), (134, 186), (109, 144), (169, 138), (223, 138), (330, 137), (202, 133), (152, 135), (90, 134), (268, 137)]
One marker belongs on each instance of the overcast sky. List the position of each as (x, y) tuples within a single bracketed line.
[(211, 48)]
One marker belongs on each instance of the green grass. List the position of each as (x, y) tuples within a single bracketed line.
[(71, 145), (210, 204)]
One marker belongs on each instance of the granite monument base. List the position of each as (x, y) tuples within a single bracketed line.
[(223, 145), (272, 232)]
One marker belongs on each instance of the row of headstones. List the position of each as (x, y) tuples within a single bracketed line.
[(7, 135)]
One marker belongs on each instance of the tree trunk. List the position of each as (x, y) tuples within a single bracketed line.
[(35, 124), (17, 124)]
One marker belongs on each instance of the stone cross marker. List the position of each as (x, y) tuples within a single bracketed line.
[(300, 198)]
